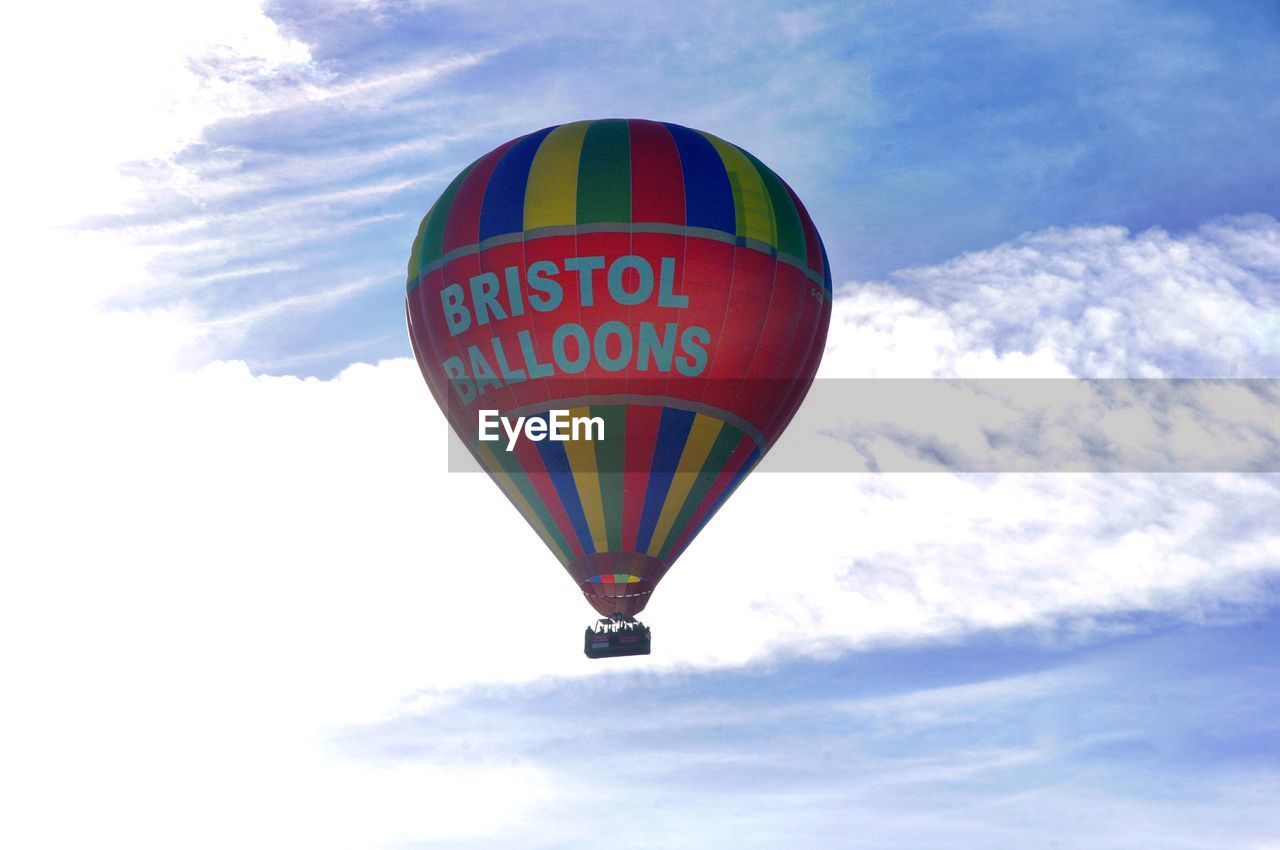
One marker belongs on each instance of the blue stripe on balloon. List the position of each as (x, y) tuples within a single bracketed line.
[(673, 433), (708, 197), (503, 209), (557, 464)]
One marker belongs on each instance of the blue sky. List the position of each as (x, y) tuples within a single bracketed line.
[(1163, 736), (245, 611), (915, 131)]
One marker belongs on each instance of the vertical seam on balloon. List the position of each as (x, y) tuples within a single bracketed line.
[(483, 264), (642, 426), (630, 213), (437, 344), (631, 184), (788, 197), (798, 391), (725, 152), (576, 182), (755, 352), (724, 318), (468, 200), (684, 242), (524, 244), (817, 337), (631, 217), (684, 238), (772, 427)]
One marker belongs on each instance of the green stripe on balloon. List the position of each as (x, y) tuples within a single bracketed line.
[(604, 173), (609, 465), (787, 220)]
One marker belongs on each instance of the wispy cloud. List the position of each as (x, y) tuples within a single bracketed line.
[(926, 747), (900, 162), (309, 301)]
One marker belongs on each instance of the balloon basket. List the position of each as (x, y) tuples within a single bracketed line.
[(617, 636)]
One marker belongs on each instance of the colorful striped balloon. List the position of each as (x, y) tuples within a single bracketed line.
[(656, 283)]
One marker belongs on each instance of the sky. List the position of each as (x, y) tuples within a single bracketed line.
[(237, 603)]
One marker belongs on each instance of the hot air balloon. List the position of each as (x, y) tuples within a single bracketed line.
[(658, 286)]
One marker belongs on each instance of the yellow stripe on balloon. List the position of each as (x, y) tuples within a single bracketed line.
[(494, 467), (696, 448), (586, 475), (751, 198), (551, 195)]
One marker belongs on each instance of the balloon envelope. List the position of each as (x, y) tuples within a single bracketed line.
[(649, 277)]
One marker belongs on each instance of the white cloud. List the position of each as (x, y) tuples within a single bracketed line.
[(1088, 302), (217, 567), (94, 86), (176, 637)]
